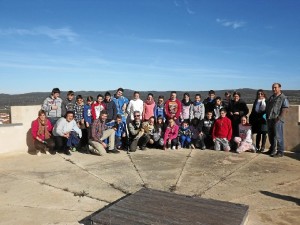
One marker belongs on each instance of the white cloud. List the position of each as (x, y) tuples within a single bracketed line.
[(232, 24), (60, 34)]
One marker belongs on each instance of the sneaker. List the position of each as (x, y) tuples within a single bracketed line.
[(143, 148), (67, 152), (47, 152), (192, 146), (278, 155), (94, 151), (73, 149), (38, 153), (173, 148), (203, 147), (115, 151)]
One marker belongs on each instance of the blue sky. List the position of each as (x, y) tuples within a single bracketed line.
[(185, 45)]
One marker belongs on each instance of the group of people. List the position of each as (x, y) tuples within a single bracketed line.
[(113, 123)]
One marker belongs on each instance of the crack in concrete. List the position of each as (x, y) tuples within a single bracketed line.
[(76, 194), (174, 187), (223, 178), (137, 170), (87, 171)]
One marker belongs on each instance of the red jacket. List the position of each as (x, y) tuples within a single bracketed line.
[(171, 133), (35, 128), (222, 128), (96, 109), (173, 108)]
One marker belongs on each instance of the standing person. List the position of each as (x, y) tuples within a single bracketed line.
[(276, 109), (100, 132), (149, 106), (87, 116), (52, 106), (227, 99), (79, 118), (159, 110), (171, 135), (135, 104), (222, 132), (236, 109), (173, 108), (198, 108), (41, 132), (110, 107), (258, 120), (97, 107), (186, 108), (209, 102), (121, 103), (244, 140), (68, 104), (217, 107), (66, 133)]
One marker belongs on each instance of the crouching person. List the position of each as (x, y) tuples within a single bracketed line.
[(66, 133), (170, 136), (99, 133), (222, 132), (244, 141), (41, 132), (136, 132)]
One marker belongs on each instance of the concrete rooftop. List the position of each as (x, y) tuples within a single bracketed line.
[(60, 189)]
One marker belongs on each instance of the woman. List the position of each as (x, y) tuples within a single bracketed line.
[(41, 132), (186, 104), (258, 120), (244, 140), (149, 106)]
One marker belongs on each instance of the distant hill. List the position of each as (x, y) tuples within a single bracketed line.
[(37, 98)]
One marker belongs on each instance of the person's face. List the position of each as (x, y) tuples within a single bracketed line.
[(159, 120), (100, 99), (160, 101), (89, 102), (119, 93), (223, 114), (137, 117), (227, 96), (276, 89), (136, 96), (236, 98), (211, 96), (70, 97), (209, 115), (260, 95), (151, 121), (42, 117), (187, 98), (107, 98), (243, 120), (197, 98), (173, 96), (150, 97), (103, 117), (69, 117), (185, 125), (171, 122), (80, 101), (118, 120), (218, 102), (55, 95)]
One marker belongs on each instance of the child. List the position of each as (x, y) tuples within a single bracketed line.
[(170, 137), (205, 127), (244, 140), (198, 108), (222, 132), (186, 105), (217, 107), (87, 116), (185, 135), (159, 109), (120, 128), (159, 131), (68, 104), (78, 110), (98, 106)]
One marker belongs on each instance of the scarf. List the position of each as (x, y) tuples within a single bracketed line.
[(149, 102), (197, 103), (43, 131), (186, 103)]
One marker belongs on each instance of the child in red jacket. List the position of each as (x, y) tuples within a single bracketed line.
[(222, 132)]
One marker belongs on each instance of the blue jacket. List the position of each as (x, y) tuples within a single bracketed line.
[(159, 110), (87, 114), (121, 128)]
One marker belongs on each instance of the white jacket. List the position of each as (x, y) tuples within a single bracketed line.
[(135, 105)]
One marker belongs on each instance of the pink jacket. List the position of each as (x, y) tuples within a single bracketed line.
[(35, 128), (171, 133)]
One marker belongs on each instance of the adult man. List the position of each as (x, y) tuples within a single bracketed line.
[(276, 108), (52, 106), (136, 133), (66, 133), (99, 133)]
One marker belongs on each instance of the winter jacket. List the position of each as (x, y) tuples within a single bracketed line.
[(173, 108), (47, 107), (171, 133), (111, 108), (67, 105), (135, 105), (62, 127), (222, 128), (96, 109), (197, 111), (35, 128)]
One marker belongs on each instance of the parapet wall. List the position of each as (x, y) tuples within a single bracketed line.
[(16, 137)]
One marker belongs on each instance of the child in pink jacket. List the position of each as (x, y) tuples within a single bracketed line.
[(171, 134)]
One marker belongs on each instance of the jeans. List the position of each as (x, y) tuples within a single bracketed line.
[(275, 133), (185, 140)]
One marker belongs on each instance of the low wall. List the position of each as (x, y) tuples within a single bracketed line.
[(16, 137)]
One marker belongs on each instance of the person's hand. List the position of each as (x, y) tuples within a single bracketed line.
[(54, 107), (67, 135), (87, 124), (123, 135)]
